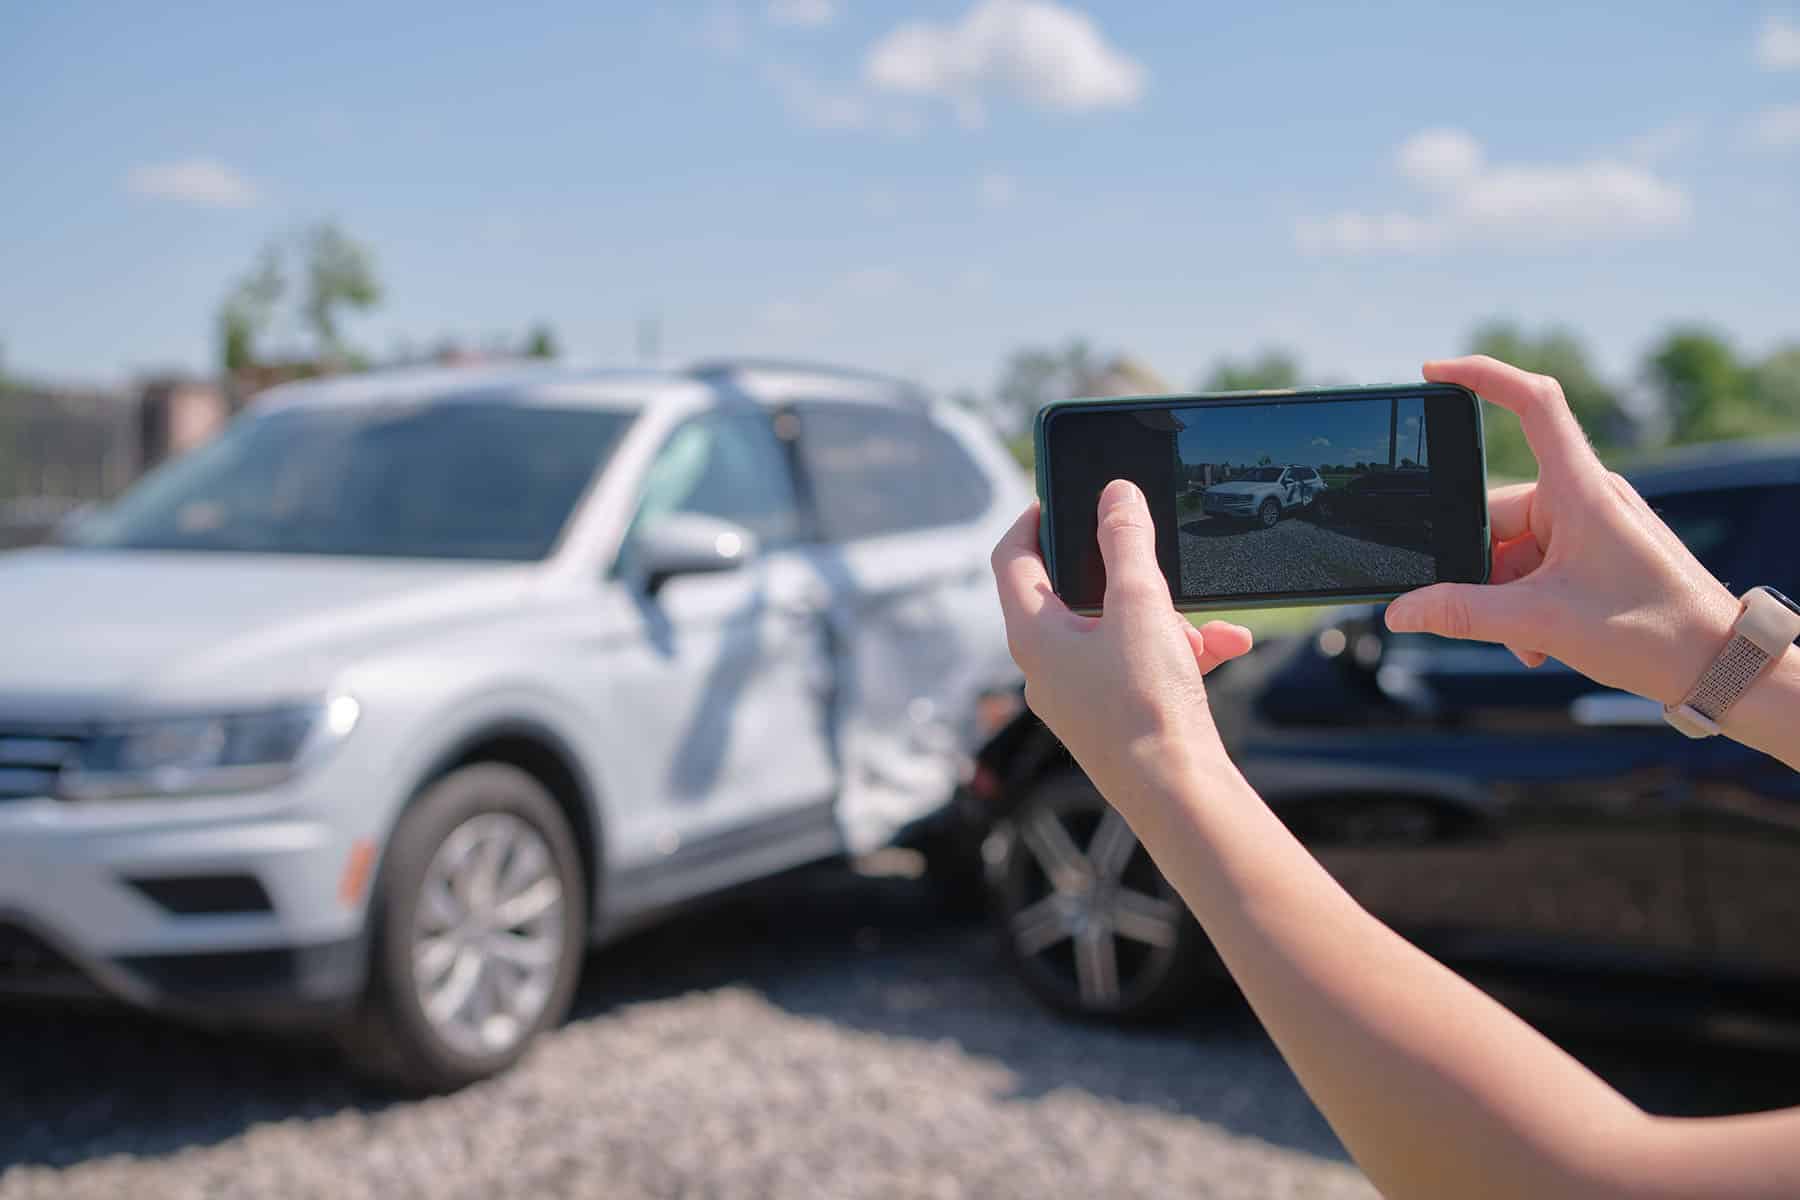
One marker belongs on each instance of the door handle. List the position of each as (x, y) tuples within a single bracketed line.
[(1615, 710)]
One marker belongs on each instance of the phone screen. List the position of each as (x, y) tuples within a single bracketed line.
[(1303, 496)]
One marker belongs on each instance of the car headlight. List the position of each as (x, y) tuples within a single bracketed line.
[(187, 755)]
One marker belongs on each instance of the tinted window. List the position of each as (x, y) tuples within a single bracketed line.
[(725, 465), (1773, 555), (445, 480), (878, 470)]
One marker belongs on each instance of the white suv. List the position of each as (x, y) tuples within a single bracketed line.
[(391, 700), (1262, 494)]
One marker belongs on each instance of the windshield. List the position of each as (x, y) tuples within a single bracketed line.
[(1262, 474), (486, 480)]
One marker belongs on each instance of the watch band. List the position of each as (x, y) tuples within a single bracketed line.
[(1767, 625)]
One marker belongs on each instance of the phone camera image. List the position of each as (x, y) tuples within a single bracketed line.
[(1303, 497)]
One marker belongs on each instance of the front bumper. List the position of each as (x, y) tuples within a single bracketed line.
[(224, 908), (1233, 507)]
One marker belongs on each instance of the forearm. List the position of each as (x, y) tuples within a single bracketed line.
[(1434, 1087), (1768, 715)]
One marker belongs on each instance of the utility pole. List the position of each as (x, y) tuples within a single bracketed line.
[(1393, 431)]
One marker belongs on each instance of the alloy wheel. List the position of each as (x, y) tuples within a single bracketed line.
[(488, 932), (1094, 914)]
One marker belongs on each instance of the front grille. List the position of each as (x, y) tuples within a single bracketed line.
[(30, 965), (30, 759)]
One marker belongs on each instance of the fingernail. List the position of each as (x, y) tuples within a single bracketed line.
[(1399, 618), (1122, 491)]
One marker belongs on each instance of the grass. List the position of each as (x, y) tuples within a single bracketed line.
[(1266, 622)]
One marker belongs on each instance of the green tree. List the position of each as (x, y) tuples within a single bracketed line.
[(1775, 389), (541, 343), (340, 273), (1270, 369), (249, 308), (1558, 353), (1704, 389), (1036, 375)]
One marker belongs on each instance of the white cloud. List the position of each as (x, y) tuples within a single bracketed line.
[(1778, 45), (1439, 158), (202, 181), (1524, 203), (1323, 442), (997, 190), (1044, 53), (807, 14), (1776, 128)]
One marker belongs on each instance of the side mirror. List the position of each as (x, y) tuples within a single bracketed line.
[(689, 544)]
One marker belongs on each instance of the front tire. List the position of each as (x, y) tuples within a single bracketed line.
[(476, 933), (1269, 513), (1087, 921)]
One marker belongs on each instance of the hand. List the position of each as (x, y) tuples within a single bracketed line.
[(1582, 569), (1123, 690)]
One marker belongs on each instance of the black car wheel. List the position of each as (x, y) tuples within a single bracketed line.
[(1087, 920), (1269, 513), (477, 930)]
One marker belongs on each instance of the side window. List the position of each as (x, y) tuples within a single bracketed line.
[(877, 470), (1773, 556), (726, 465)]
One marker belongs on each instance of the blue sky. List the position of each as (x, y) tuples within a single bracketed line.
[(1308, 434), (915, 188)]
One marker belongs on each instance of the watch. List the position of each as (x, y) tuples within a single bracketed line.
[(1766, 626)]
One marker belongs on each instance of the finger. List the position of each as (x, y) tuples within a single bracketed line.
[(1218, 642), (1551, 429), (1476, 612), (1516, 559), (1134, 579), (1509, 510), (1020, 577), (1531, 658)]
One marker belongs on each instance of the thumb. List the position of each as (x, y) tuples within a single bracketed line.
[(1476, 612), (1128, 548)]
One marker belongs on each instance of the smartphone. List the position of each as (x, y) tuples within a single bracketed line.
[(1273, 498)]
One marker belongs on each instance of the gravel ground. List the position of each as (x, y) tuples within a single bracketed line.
[(832, 1035), (1295, 555)]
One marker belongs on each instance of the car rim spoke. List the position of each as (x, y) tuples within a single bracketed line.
[(1097, 967), (1037, 927), (528, 953), (1145, 919), (449, 998), (434, 956), (525, 867), (438, 907), (1065, 866), (1112, 845), (488, 935), (535, 901)]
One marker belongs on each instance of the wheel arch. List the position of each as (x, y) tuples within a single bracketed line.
[(542, 752)]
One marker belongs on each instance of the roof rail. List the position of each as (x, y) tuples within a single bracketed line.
[(904, 389)]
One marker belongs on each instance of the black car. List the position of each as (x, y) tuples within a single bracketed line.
[(1383, 498), (1500, 817)]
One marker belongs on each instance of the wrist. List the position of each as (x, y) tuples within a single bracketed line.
[(1702, 629)]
